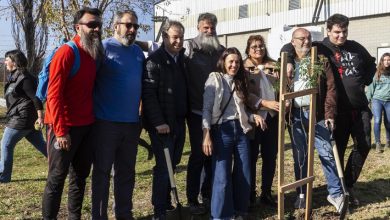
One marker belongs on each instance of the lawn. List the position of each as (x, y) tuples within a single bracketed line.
[(21, 199)]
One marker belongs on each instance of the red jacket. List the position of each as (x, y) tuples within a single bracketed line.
[(69, 100)]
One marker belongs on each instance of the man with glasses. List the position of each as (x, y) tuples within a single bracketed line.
[(165, 105), (69, 115), (116, 131), (325, 116)]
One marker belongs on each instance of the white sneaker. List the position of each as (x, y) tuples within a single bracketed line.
[(338, 202)]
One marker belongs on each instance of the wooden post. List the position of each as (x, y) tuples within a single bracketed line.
[(312, 122), (282, 109)]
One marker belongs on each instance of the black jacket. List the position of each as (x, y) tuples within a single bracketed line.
[(164, 89), (22, 105)]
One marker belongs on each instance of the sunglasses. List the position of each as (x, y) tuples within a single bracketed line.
[(92, 24), (130, 25)]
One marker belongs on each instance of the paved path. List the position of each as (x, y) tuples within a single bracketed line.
[(2, 102)]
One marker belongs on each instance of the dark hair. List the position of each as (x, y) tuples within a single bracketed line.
[(171, 23), (209, 17), (337, 19), (18, 58), (119, 15), (260, 38), (381, 68), (239, 79), (86, 10)]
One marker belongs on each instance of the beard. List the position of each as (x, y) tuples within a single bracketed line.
[(209, 43), (126, 39), (92, 43)]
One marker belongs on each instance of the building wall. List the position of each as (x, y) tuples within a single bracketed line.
[(372, 32)]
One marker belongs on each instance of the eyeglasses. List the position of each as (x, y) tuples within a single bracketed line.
[(257, 47), (92, 24), (130, 25), (303, 38)]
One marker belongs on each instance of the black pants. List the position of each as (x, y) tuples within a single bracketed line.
[(357, 124), (77, 162), (268, 139)]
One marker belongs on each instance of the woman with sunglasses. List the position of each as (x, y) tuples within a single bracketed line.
[(225, 124), (260, 67), (23, 109)]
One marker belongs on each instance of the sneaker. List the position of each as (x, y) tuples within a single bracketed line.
[(300, 203), (338, 203), (267, 199), (196, 208), (352, 197), (170, 207), (160, 217), (378, 148)]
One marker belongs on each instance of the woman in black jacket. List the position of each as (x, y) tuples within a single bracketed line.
[(23, 109)]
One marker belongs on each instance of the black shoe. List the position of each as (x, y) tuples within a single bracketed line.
[(160, 217), (196, 209), (170, 207), (352, 197), (267, 199)]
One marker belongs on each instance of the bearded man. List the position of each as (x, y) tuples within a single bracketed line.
[(69, 115), (202, 53), (117, 128)]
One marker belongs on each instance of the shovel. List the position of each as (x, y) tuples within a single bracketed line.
[(340, 172)]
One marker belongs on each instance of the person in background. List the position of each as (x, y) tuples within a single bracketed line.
[(69, 115), (225, 124), (23, 110), (378, 94), (260, 67)]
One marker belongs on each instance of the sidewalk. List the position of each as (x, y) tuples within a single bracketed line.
[(2, 102)]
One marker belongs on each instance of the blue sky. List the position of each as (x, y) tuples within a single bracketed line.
[(7, 42)]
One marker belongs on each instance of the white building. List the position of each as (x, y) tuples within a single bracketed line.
[(237, 19)]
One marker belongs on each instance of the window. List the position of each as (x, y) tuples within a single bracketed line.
[(243, 11), (294, 4)]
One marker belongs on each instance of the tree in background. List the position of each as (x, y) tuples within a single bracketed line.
[(60, 13), (30, 30)]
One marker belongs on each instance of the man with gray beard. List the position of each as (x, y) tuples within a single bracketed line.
[(202, 54), (69, 115), (116, 131)]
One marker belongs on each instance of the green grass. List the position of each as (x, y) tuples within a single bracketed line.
[(21, 199)]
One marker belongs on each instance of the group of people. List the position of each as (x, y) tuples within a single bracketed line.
[(228, 104)]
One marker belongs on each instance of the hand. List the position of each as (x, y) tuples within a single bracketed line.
[(38, 125), (290, 70), (288, 106), (207, 144), (330, 122), (273, 105), (260, 122), (163, 129), (64, 142)]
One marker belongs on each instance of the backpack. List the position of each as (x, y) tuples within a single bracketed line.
[(43, 76)]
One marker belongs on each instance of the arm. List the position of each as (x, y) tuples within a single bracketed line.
[(29, 89), (208, 103), (60, 68), (371, 90), (151, 105), (331, 96), (369, 66)]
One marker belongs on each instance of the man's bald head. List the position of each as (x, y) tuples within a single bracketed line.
[(301, 40)]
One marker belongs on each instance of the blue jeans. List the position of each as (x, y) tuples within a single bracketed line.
[(324, 149), (198, 163), (231, 190), (115, 144), (161, 185), (10, 138), (379, 106)]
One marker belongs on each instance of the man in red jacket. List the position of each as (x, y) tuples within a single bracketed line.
[(69, 115)]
